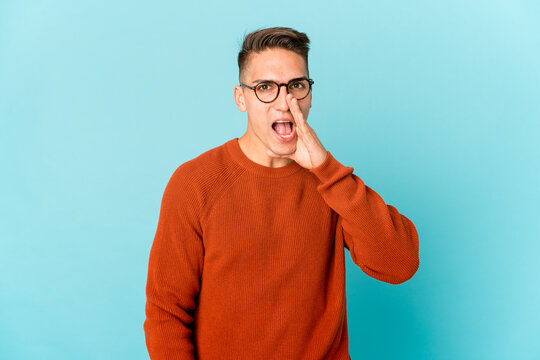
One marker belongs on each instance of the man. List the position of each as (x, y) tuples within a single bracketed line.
[(248, 257)]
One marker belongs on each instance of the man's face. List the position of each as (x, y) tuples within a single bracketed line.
[(279, 65)]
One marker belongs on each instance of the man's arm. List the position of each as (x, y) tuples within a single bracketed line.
[(174, 270), (382, 242)]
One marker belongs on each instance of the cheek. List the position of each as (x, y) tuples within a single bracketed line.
[(305, 107), (252, 107), (305, 111), (258, 116)]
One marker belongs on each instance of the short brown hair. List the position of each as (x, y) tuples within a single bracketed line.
[(274, 37)]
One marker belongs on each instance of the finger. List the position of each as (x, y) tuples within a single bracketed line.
[(306, 131), (301, 123), (304, 124), (295, 110)]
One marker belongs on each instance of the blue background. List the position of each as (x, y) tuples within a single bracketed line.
[(436, 105)]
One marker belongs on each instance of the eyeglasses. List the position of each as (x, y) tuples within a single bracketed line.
[(268, 91)]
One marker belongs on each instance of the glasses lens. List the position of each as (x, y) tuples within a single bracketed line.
[(266, 91), (299, 88)]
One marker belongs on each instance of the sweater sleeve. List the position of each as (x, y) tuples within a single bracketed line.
[(174, 270), (382, 242)]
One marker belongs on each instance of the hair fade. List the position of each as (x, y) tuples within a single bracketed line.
[(274, 37)]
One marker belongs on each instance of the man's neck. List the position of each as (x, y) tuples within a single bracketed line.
[(256, 152)]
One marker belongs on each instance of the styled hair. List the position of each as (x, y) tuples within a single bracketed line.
[(274, 37)]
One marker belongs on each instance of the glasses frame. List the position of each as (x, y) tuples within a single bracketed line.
[(310, 81)]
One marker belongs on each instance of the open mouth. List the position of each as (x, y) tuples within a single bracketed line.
[(285, 129)]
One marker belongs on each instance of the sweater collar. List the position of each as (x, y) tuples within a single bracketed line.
[(235, 151)]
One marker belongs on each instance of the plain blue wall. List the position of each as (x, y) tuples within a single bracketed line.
[(434, 104)]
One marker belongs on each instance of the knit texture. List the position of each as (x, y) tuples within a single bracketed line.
[(248, 261)]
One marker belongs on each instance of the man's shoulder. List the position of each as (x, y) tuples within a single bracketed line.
[(205, 174), (211, 161)]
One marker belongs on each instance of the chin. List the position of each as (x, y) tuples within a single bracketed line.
[(280, 147)]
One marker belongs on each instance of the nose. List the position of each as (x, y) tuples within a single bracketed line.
[(281, 101)]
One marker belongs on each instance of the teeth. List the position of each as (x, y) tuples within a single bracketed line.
[(284, 121), (287, 136)]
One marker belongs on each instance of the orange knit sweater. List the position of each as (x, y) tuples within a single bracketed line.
[(248, 261)]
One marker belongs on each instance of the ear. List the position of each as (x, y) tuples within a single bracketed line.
[(239, 98)]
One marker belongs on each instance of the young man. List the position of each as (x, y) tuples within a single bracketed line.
[(248, 260)]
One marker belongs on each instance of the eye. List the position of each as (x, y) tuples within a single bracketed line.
[(297, 85), (265, 87)]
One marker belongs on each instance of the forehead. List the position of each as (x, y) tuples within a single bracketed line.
[(275, 64)]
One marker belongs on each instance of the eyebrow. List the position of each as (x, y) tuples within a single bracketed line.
[(263, 80)]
